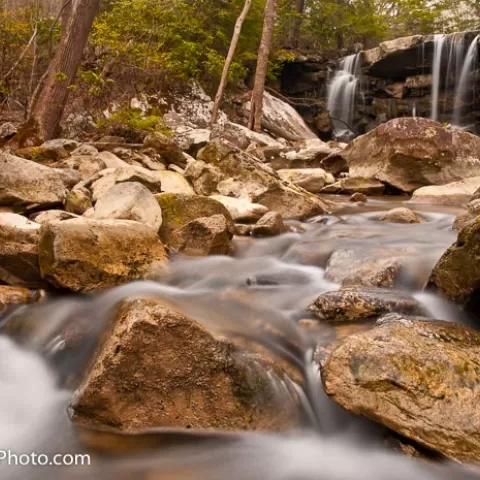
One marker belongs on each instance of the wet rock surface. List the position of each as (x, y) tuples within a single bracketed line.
[(362, 303), (400, 215), (157, 368), (418, 377)]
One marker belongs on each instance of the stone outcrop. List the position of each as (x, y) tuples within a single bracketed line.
[(417, 377), (24, 183), (457, 273), (351, 185), (158, 368), (409, 153), (84, 254)]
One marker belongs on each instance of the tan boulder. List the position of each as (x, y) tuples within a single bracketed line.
[(269, 225), (78, 201), (158, 368), (409, 153), (86, 165), (417, 377), (203, 236), (241, 209), (400, 215), (19, 264), (26, 183), (311, 179), (179, 210), (129, 201), (85, 254), (455, 193)]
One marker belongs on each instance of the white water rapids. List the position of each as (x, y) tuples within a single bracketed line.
[(272, 279)]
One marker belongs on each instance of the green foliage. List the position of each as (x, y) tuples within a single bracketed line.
[(131, 122), (186, 38)]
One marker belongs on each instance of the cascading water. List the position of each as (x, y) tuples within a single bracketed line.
[(469, 66), (451, 66), (341, 95), (438, 46)]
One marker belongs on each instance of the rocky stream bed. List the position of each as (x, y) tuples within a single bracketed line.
[(246, 305)]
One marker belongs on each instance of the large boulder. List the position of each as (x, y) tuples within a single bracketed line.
[(416, 377), (409, 153), (227, 170), (457, 273), (85, 254), (129, 201), (356, 304), (19, 251), (179, 210), (158, 368), (468, 215), (281, 119), (26, 184), (455, 193)]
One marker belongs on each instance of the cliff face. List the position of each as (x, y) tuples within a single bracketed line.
[(420, 75)]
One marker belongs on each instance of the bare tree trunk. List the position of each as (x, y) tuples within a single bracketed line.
[(297, 23), (49, 105), (228, 61), (255, 120)]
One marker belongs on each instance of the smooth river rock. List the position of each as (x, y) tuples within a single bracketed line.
[(456, 193), (417, 377)]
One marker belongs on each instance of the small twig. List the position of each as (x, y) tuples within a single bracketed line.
[(20, 58)]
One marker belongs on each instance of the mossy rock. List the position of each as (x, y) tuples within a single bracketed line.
[(43, 154), (179, 209)]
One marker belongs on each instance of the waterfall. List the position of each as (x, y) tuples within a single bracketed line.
[(457, 70), (341, 94), (461, 86), (438, 46)]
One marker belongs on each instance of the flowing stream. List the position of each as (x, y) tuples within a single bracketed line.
[(273, 280)]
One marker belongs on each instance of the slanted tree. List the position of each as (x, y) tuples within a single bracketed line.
[(49, 104), (228, 60), (255, 120)]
